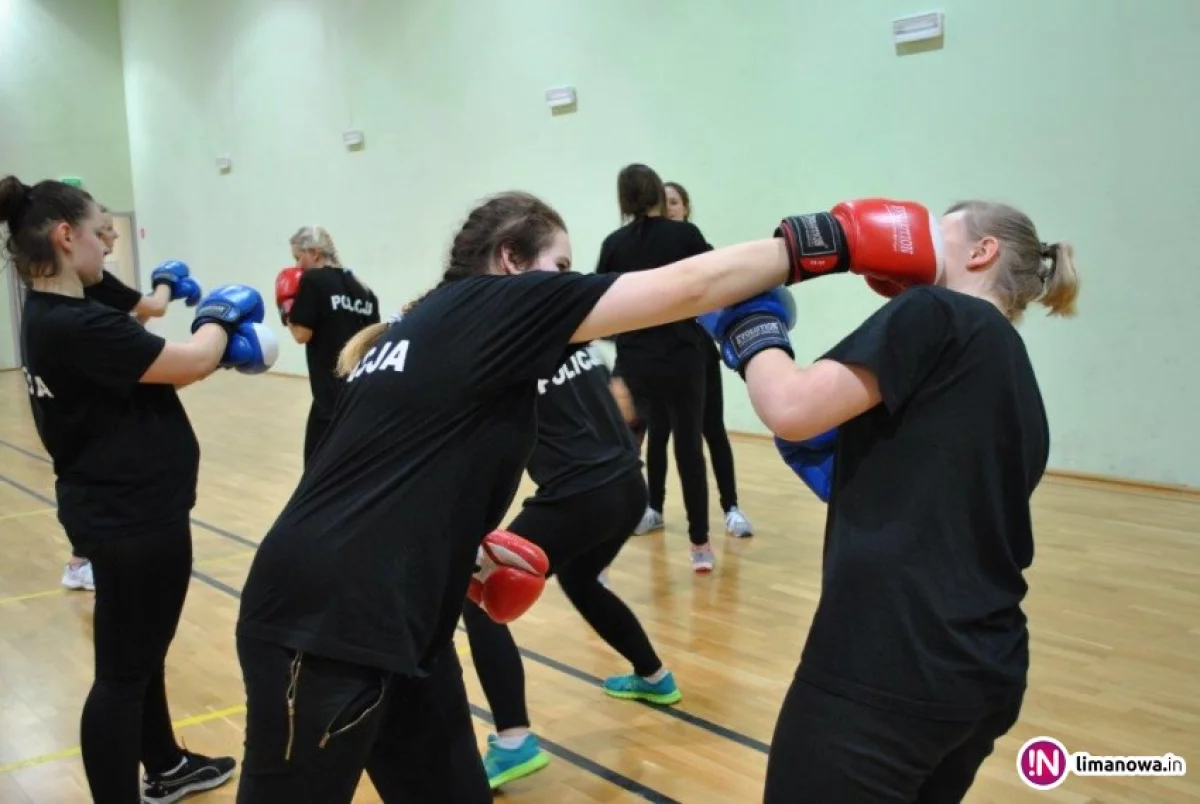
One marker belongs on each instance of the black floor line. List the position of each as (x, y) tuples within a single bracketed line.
[(566, 754), (533, 656)]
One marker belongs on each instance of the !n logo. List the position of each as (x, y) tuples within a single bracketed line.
[(1043, 763)]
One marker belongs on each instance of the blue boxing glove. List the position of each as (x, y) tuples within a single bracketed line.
[(811, 460), (747, 328), (230, 306), (176, 276), (252, 349)]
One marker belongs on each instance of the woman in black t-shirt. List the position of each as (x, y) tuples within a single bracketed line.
[(102, 392), (663, 366), (346, 629), (329, 306), (590, 494), (114, 293), (658, 427), (917, 656)]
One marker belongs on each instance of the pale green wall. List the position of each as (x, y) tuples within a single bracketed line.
[(62, 106), (1083, 112)]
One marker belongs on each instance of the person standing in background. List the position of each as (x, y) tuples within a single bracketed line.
[(658, 428), (323, 305), (664, 365)]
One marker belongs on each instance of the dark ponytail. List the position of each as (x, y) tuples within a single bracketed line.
[(519, 222), (640, 191), (30, 213)]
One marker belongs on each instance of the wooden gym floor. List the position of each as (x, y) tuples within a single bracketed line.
[(1114, 609)]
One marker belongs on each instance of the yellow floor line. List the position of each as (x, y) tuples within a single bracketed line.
[(73, 752), (241, 554), (34, 512), (32, 595)]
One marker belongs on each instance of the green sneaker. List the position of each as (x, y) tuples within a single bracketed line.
[(504, 765), (635, 688)]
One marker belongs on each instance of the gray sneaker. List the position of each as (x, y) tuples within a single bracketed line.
[(703, 559), (737, 525), (651, 521)]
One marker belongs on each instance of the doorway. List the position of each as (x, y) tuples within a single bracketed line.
[(123, 262)]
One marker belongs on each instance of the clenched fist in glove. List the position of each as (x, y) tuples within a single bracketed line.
[(744, 329), (511, 576), (175, 275), (239, 309), (894, 244), (811, 460), (287, 284)]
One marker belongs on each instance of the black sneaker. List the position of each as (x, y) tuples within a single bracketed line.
[(195, 774)]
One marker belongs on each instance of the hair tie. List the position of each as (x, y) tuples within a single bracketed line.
[(1049, 252)]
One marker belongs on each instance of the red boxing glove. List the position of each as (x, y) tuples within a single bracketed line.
[(897, 243), (885, 287), (287, 283), (511, 576)]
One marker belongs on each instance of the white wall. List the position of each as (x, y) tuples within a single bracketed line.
[(1083, 112), (62, 106)]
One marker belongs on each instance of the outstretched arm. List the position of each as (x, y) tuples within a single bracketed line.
[(153, 304), (687, 288)]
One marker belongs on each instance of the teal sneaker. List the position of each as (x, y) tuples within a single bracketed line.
[(504, 765), (635, 688)]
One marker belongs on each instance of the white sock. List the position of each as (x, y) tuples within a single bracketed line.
[(511, 738), (657, 677)]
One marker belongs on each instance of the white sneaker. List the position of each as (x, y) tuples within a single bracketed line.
[(737, 525), (79, 577), (651, 520), (703, 559)]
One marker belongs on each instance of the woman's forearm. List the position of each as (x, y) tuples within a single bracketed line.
[(182, 364), (210, 340), (729, 275), (687, 288)]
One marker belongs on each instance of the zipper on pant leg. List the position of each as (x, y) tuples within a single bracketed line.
[(328, 734), (293, 682)]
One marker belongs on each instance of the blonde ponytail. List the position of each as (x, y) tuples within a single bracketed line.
[(1062, 280), (357, 347), (1027, 270), (318, 239)]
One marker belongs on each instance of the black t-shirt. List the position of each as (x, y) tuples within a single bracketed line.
[(335, 306), (114, 293), (125, 456), (583, 441), (370, 559), (929, 527), (641, 245)]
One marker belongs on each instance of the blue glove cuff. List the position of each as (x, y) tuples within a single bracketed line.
[(217, 311), (751, 335)]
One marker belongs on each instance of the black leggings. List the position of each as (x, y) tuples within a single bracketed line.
[(413, 736), (830, 748), (314, 431), (581, 536), (141, 583), (720, 453), (680, 395)]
